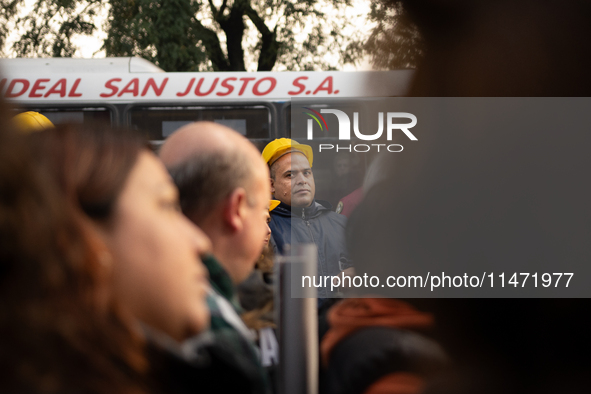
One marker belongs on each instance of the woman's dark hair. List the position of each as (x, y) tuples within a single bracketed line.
[(59, 331), (90, 163)]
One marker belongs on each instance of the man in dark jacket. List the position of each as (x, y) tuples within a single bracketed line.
[(223, 189), (300, 218)]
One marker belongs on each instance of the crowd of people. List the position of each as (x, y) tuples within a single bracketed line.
[(128, 271)]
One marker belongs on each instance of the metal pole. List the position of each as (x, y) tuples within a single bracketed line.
[(298, 323)]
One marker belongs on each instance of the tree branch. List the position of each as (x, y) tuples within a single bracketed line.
[(214, 11), (269, 44), (213, 47), (257, 20), (233, 26), (223, 7)]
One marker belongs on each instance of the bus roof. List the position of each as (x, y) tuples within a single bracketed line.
[(64, 65), (134, 79)]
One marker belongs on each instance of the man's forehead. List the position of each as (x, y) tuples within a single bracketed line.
[(297, 161), (289, 157)]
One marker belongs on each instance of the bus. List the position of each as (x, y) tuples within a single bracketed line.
[(132, 92)]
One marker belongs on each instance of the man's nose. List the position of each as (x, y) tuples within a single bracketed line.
[(300, 179)]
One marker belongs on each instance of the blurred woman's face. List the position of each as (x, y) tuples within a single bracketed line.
[(158, 275)]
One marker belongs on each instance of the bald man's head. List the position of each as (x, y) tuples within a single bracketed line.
[(224, 188), (202, 137), (207, 162)]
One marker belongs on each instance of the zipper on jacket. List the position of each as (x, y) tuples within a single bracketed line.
[(308, 225)]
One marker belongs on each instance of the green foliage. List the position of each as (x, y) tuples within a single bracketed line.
[(395, 41), (191, 35), (162, 32)]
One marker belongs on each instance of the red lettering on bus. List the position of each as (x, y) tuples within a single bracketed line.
[(73, 92), (225, 83), (245, 82), (255, 88), (58, 88), (157, 90), (179, 94), (10, 90), (131, 87), (296, 83), (198, 87), (109, 85), (37, 86), (328, 86)]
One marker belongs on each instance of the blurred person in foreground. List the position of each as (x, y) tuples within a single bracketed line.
[(109, 314), (377, 345), (300, 218), (59, 332), (478, 196), (224, 189)]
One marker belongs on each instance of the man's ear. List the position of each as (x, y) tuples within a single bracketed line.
[(234, 209), (272, 185)]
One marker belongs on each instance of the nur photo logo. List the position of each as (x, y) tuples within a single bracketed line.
[(391, 120)]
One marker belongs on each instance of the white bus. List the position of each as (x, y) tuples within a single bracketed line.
[(135, 93)]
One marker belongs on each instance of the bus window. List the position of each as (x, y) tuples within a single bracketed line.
[(80, 115), (157, 123)]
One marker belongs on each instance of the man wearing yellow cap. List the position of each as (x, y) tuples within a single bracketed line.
[(299, 218)]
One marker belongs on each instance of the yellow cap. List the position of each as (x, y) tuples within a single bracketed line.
[(273, 204), (282, 146), (30, 121)]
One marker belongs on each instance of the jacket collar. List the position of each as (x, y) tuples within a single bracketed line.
[(220, 280), (312, 211)]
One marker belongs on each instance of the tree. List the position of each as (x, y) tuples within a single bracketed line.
[(8, 11), (395, 41), (189, 35), (50, 27)]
